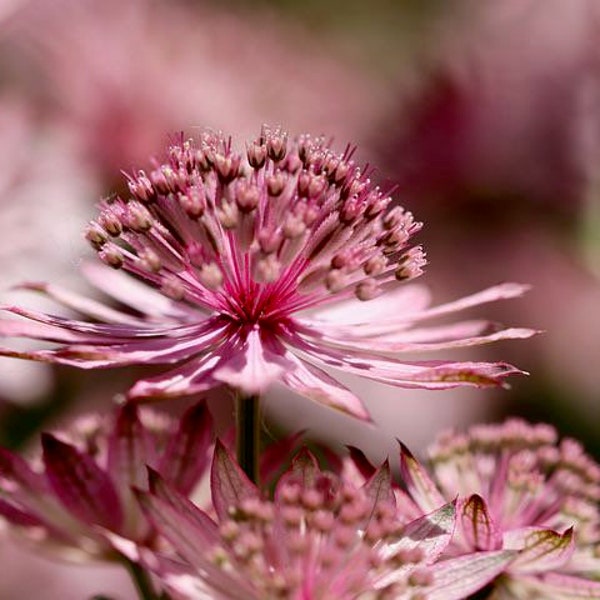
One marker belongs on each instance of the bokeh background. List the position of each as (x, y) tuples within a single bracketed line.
[(486, 114)]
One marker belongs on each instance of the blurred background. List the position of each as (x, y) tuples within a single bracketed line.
[(487, 115)]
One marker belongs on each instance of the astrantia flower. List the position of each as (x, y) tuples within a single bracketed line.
[(320, 538), (519, 489), (77, 492), (232, 251)]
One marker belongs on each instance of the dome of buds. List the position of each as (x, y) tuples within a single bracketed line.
[(258, 236), (228, 253)]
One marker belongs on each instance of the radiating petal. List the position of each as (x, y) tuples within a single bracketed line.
[(83, 488), (314, 383), (253, 366), (459, 578), (420, 486), (229, 484), (186, 456), (540, 549), (430, 533)]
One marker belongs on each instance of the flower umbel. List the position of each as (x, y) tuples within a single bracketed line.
[(321, 537), (77, 492), (519, 489), (231, 251)]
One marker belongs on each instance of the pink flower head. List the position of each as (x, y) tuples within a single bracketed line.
[(321, 537), (232, 251), (519, 489), (76, 493)]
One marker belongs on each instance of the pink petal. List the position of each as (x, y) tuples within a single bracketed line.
[(540, 549), (186, 457), (314, 383), (253, 366), (190, 378), (82, 304), (83, 488), (130, 449), (569, 586), (137, 295), (403, 300), (378, 488), (459, 578), (229, 484), (421, 488), (430, 533), (478, 526)]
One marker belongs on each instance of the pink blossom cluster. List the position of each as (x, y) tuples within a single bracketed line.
[(244, 268)]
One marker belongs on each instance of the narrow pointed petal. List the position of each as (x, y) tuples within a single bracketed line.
[(430, 533), (478, 525), (379, 486), (419, 484), (357, 456), (137, 295), (83, 488), (276, 455), (82, 304), (568, 587), (186, 457), (253, 367), (229, 484), (540, 549), (192, 377), (308, 380), (459, 578)]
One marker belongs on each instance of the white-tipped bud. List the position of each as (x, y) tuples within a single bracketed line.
[(335, 281), (173, 287), (228, 215), (112, 256), (267, 269), (210, 276), (149, 260), (367, 290)]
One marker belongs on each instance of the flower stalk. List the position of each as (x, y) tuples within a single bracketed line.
[(142, 582), (247, 417)]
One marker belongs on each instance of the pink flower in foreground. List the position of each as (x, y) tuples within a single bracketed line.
[(231, 251), (77, 493), (519, 489), (320, 538)]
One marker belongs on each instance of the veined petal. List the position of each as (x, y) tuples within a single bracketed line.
[(422, 374), (190, 378), (137, 295), (421, 488), (229, 484), (314, 383), (478, 526), (83, 488), (458, 578), (253, 366), (186, 455), (568, 587), (129, 450), (430, 533), (379, 486), (540, 549), (82, 304), (389, 343), (403, 300)]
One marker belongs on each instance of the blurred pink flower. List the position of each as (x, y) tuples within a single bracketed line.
[(39, 179), (168, 66), (518, 489), (71, 498), (236, 250), (507, 117), (321, 537)]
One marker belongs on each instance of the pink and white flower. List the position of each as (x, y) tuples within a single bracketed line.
[(321, 537), (229, 255), (77, 492), (518, 489)]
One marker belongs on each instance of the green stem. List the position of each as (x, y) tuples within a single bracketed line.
[(247, 413), (142, 581)]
